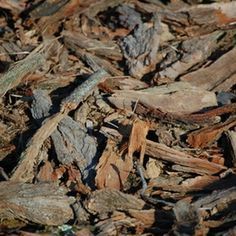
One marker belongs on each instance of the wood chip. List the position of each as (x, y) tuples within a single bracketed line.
[(208, 135), (212, 76), (108, 200), (199, 166), (179, 98), (140, 48), (137, 139), (231, 137), (113, 168)]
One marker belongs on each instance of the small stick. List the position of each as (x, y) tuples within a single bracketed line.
[(143, 180), (144, 187), (82, 91)]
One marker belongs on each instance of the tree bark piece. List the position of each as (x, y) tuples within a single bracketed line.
[(48, 8), (179, 98), (201, 19), (108, 200), (231, 138), (42, 203), (175, 184), (137, 139), (73, 145), (87, 56), (140, 48), (107, 49), (113, 168)]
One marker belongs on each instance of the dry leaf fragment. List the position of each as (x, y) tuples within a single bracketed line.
[(112, 170), (137, 139)]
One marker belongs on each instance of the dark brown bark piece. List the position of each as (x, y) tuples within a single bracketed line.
[(48, 25), (42, 203), (219, 199), (87, 57), (93, 9), (208, 117), (48, 8), (177, 184), (5, 150), (201, 19), (212, 211)]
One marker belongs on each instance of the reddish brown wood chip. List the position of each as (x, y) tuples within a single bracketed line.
[(206, 136), (196, 165), (113, 168), (137, 139)]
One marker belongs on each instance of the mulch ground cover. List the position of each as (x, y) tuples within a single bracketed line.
[(117, 117)]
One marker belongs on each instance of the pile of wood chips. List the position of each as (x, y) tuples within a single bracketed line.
[(117, 117)]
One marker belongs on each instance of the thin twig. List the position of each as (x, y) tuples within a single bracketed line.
[(144, 188)]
